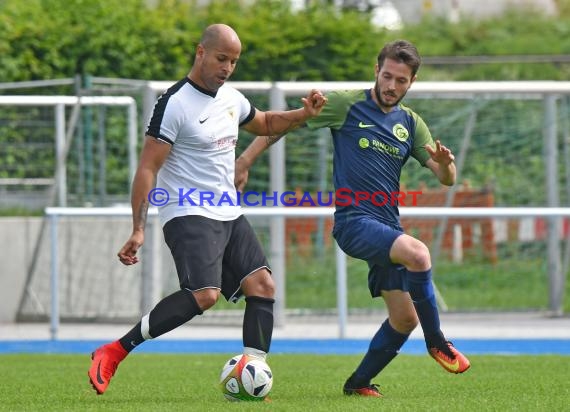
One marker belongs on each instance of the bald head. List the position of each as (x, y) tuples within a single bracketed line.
[(217, 35), (216, 57)]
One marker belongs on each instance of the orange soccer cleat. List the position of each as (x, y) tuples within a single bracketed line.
[(449, 358)]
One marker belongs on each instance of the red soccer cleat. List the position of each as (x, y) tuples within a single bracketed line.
[(370, 390), (106, 359)]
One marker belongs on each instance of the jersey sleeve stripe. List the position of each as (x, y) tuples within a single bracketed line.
[(159, 108), (250, 116), (164, 139)]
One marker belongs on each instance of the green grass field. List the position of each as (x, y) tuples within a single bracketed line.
[(152, 382)]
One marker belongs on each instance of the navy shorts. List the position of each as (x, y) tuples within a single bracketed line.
[(214, 254), (393, 277), (366, 238)]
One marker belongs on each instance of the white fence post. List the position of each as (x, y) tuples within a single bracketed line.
[(341, 291), (54, 280)]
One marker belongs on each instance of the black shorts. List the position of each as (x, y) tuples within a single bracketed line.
[(214, 254)]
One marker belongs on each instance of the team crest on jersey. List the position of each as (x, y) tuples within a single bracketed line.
[(231, 113), (400, 132)]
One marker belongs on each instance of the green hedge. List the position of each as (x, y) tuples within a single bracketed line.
[(46, 39)]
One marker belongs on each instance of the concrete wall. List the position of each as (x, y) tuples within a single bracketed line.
[(93, 284), (17, 241)]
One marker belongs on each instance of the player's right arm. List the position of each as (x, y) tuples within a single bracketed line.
[(153, 155), (248, 157)]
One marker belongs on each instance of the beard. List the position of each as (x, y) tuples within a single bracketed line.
[(383, 102)]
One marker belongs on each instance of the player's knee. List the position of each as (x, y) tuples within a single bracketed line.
[(259, 283), (411, 322), (419, 258), (206, 298), (266, 285), (405, 323), (411, 252)]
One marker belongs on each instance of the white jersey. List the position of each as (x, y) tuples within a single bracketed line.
[(197, 177)]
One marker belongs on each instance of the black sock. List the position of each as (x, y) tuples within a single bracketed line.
[(132, 339), (171, 312), (258, 323)]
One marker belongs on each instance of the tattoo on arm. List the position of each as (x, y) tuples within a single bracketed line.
[(286, 126), (269, 140), (141, 215)]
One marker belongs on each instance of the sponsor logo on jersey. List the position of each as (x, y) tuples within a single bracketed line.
[(379, 146), (363, 142)]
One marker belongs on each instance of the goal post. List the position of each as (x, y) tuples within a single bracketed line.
[(61, 132)]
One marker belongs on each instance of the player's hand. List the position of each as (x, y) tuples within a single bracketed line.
[(241, 175), (440, 154), (314, 102), (128, 253)]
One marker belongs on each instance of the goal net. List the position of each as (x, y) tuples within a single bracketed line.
[(512, 148)]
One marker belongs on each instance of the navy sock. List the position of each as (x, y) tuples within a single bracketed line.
[(383, 347), (422, 293)]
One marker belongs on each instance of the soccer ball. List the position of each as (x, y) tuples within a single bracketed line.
[(246, 378)]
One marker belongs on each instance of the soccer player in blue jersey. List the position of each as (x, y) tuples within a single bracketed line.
[(373, 136)]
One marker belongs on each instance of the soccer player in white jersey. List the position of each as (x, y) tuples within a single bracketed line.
[(189, 150)]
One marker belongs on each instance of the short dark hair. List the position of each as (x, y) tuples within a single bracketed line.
[(402, 51)]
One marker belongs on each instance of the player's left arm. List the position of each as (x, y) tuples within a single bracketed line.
[(441, 163), (325, 111), (270, 127), (433, 155), (275, 123)]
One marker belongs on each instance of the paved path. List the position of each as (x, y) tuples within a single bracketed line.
[(455, 325)]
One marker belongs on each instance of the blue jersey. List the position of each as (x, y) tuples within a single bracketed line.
[(370, 149)]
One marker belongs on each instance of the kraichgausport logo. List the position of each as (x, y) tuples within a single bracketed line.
[(341, 197)]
